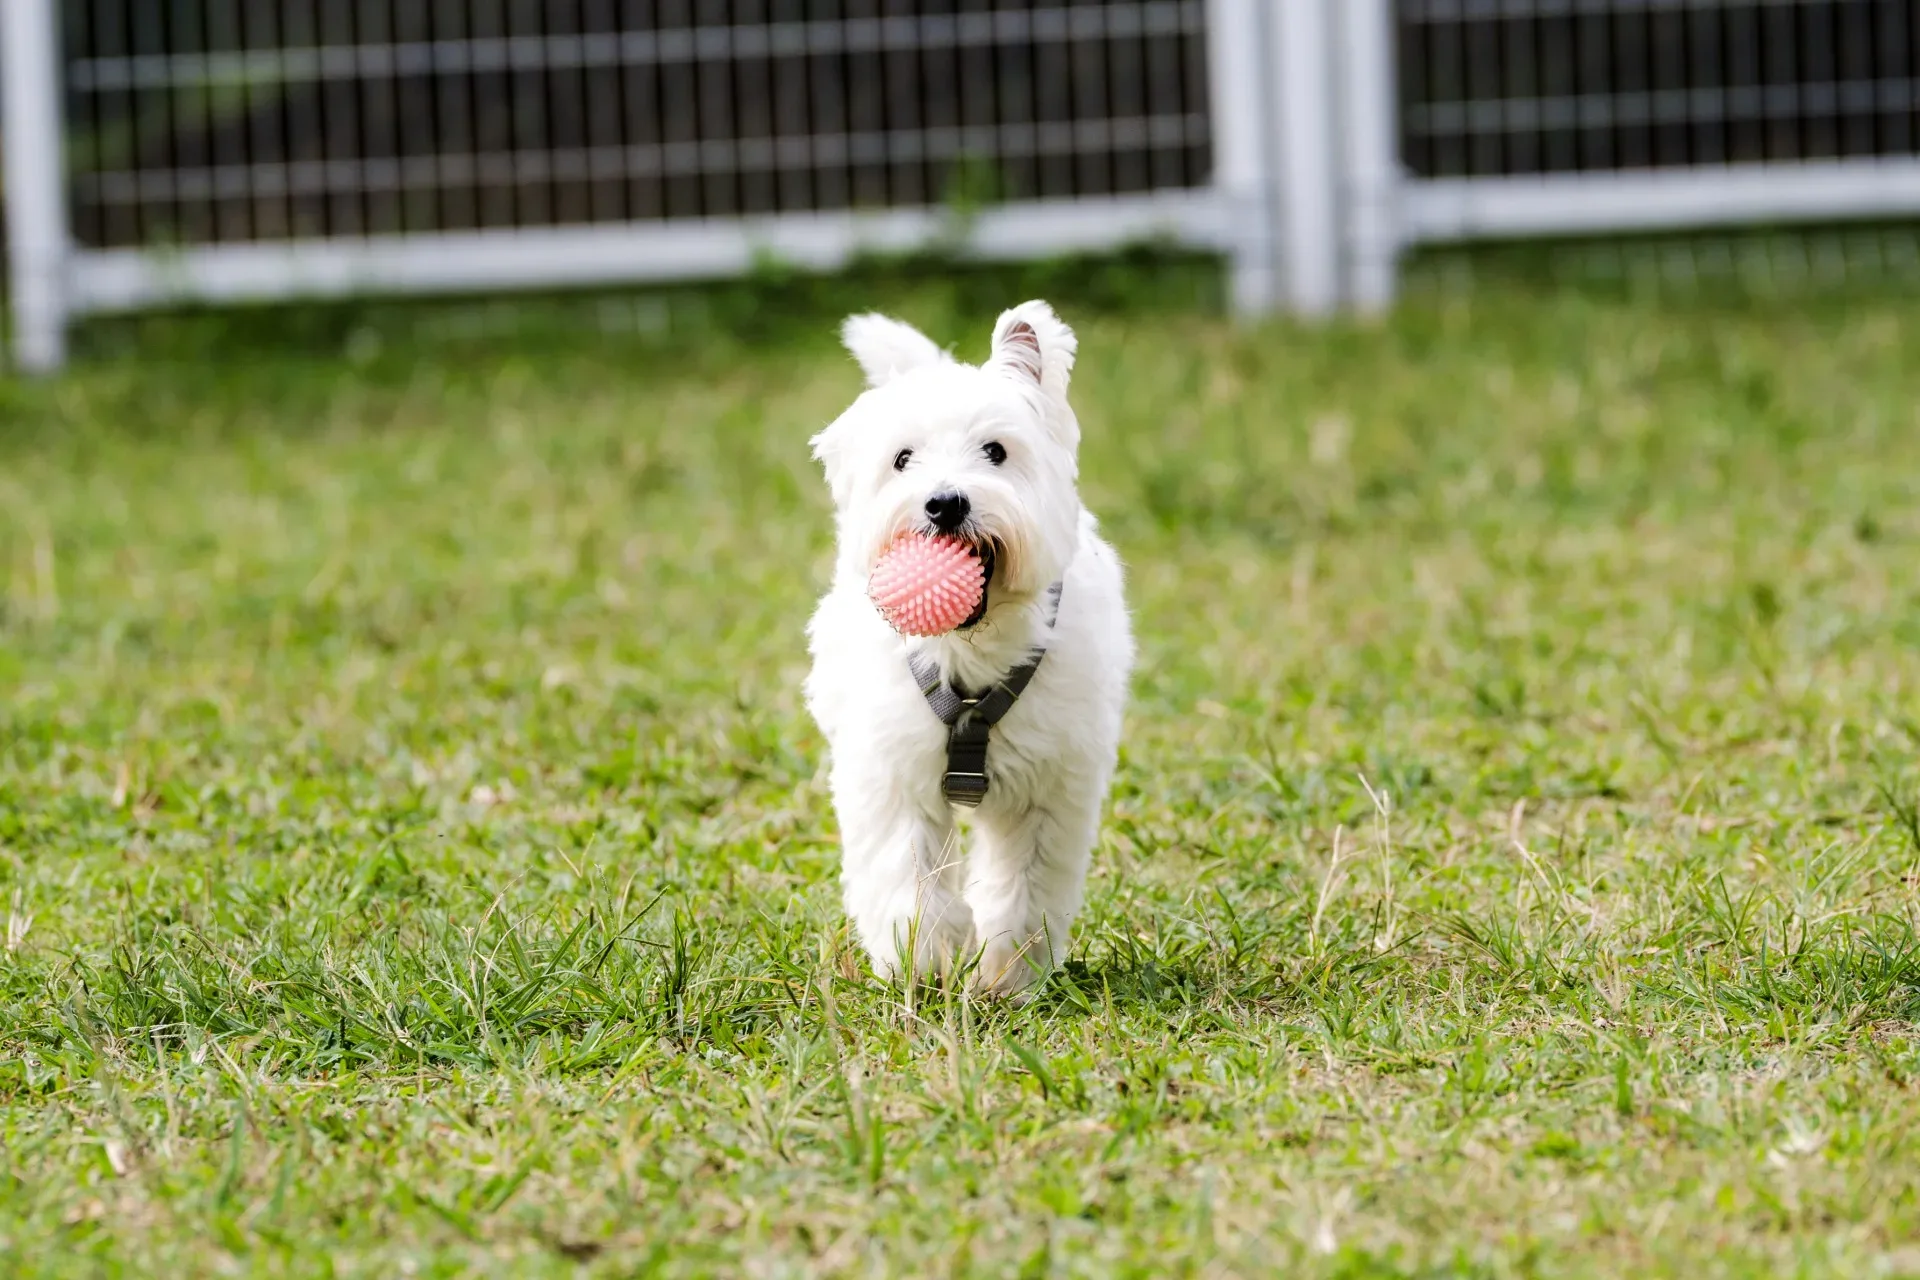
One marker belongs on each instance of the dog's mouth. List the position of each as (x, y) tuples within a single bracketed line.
[(984, 553)]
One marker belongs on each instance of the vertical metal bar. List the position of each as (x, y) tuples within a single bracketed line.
[(81, 39), (1308, 188), (1242, 176), (1371, 152), (1166, 158), (1090, 101), (1036, 83), (36, 180)]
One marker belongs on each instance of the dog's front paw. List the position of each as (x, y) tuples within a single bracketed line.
[(927, 945), (1010, 968)]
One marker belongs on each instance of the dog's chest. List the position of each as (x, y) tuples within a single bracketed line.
[(1030, 751), (880, 724)]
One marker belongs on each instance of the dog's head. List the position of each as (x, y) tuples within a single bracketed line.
[(986, 453)]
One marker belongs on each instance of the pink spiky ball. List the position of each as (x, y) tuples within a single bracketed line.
[(927, 586)]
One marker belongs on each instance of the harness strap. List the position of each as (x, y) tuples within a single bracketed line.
[(970, 719)]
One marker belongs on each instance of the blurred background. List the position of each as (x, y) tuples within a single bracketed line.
[(163, 151)]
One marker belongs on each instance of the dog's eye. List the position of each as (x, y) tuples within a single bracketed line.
[(901, 459), (995, 451)]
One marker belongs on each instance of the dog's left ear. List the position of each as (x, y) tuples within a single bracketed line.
[(1032, 344), (1035, 348)]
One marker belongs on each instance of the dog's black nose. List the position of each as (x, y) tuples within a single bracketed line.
[(948, 510)]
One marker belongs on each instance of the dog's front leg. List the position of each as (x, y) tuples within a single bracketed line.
[(900, 875), (1025, 881)]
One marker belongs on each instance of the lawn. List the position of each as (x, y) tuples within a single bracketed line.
[(415, 858)]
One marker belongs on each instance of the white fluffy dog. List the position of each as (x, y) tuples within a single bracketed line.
[(988, 454)]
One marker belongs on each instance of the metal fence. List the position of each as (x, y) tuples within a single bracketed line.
[(225, 150), (160, 151), (1543, 117), (277, 119), (1496, 89)]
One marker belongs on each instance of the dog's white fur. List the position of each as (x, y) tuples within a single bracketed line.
[(1013, 898)]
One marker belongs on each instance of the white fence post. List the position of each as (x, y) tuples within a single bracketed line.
[(1242, 168), (30, 128), (1308, 185), (1369, 97)]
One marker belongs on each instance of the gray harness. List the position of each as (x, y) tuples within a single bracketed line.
[(970, 718)]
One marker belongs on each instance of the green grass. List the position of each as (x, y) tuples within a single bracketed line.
[(414, 856)]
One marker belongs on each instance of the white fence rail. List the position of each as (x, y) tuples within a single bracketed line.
[(230, 150)]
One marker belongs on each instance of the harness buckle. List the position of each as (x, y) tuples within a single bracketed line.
[(966, 789), (970, 720)]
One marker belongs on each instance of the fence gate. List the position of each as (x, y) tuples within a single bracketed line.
[(168, 151)]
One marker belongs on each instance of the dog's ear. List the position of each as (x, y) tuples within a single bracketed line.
[(886, 348), (1033, 345)]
